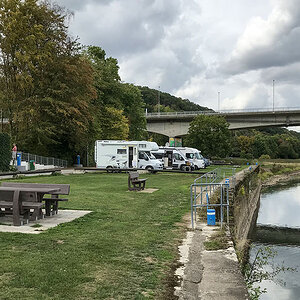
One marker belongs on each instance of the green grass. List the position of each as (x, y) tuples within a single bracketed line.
[(217, 241), (124, 249)]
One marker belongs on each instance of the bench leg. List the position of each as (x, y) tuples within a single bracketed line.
[(48, 207), (16, 209), (35, 215)]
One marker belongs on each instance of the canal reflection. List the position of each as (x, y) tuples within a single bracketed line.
[(278, 225), (280, 206)]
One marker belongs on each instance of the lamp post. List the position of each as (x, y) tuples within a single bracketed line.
[(158, 100), (273, 93)]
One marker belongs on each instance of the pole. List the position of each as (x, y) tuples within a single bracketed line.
[(158, 99), (273, 93), (1, 120), (87, 155), (218, 101)]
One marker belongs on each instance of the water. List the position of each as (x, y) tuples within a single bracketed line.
[(279, 227)]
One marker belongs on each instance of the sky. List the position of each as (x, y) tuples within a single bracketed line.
[(222, 54)]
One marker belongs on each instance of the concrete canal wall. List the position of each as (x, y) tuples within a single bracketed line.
[(245, 196)]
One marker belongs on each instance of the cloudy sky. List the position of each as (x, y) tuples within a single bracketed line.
[(195, 49)]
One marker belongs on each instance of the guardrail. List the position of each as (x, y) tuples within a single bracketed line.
[(42, 160), (206, 112)]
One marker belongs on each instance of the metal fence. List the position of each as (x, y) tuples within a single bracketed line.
[(206, 186), (42, 160)]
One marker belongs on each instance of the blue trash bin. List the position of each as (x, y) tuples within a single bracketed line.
[(19, 159), (211, 217)]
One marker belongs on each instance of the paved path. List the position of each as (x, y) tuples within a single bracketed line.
[(210, 275)]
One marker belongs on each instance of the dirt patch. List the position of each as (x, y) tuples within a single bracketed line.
[(186, 221)]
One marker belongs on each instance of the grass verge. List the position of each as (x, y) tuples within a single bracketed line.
[(217, 241), (125, 249)]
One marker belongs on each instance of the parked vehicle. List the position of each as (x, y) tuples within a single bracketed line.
[(172, 159), (126, 154), (194, 156)]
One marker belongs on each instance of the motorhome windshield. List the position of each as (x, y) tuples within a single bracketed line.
[(191, 155), (177, 156), (197, 155), (150, 155)]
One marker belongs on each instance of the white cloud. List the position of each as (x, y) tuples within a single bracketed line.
[(268, 43), (195, 49)]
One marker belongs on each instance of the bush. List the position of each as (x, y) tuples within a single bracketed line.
[(265, 156), (5, 153)]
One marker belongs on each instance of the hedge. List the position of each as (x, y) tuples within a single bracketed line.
[(5, 152)]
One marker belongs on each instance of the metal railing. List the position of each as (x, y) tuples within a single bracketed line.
[(42, 160), (204, 188), (225, 111)]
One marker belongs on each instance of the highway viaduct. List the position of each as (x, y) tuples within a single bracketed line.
[(176, 124)]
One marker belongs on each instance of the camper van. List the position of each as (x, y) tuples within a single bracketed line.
[(172, 159), (194, 156), (125, 154)]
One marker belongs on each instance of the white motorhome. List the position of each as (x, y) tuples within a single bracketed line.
[(194, 156), (172, 158), (125, 154)]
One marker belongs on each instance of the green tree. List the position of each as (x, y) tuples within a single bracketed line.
[(5, 151), (210, 134), (46, 84), (133, 106), (114, 124), (125, 98), (167, 101)]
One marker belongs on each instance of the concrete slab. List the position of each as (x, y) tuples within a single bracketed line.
[(208, 275), (33, 227)]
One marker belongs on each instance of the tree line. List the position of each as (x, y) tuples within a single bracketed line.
[(212, 136), (60, 96)]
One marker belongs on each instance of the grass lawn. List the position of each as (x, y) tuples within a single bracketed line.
[(125, 249)]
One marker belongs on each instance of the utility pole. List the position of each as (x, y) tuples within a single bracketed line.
[(158, 100), (273, 93), (218, 101)]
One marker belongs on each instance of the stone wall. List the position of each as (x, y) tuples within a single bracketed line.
[(244, 208)]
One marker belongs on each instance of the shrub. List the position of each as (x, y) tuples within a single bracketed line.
[(5, 153), (265, 156)]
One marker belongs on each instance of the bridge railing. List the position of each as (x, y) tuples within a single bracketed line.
[(227, 111)]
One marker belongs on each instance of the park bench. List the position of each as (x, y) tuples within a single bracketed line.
[(51, 204), (135, 183)]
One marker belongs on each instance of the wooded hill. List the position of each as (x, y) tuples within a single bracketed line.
[(168, 102)]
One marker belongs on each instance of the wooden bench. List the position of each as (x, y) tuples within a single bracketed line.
[(51, 204), (135, 183)]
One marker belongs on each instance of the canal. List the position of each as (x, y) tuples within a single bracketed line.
[(278, 226)]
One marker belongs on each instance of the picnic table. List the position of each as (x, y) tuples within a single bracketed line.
[(18, 205)]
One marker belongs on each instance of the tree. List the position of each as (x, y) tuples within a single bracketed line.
[(210, 134), (122, 101), (133, 106), (114, 124), (5, 151), (46, 84)]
